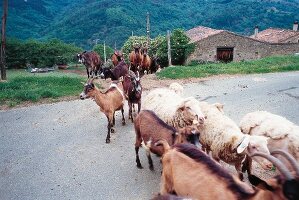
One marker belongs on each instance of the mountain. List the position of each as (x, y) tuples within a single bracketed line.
[(84, 21)]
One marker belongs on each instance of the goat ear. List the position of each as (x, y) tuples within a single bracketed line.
[(219, 106), (244, 144)]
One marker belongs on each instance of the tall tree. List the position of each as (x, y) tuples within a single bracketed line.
[(3, 40)]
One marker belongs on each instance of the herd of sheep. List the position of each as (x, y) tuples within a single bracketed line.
[(192, 137)]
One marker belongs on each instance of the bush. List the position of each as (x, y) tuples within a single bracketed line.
[(39, 54)]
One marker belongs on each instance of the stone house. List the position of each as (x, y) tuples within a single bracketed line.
[(221, 45)]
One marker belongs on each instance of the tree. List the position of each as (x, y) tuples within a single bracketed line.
[(99, 48), (3, 40)]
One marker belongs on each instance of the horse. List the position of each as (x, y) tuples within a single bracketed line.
[(145, 61), (135, 59), (133, 91), (92, 62), (116, 57), (120, 70)]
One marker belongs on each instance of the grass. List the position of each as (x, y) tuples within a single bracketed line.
[(265, 65), (23, 86)]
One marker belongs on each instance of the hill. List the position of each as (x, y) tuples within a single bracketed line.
[(84, 21)]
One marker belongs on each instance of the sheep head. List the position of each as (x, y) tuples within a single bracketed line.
[(191, 112), (255, 144)]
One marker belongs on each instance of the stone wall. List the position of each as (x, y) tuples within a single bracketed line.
[(244, 48)]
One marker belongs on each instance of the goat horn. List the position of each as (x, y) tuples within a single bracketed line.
[(290, 158), (284, 171)]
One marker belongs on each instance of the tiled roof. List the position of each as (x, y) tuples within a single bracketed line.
[(201, 32), (275, 35)]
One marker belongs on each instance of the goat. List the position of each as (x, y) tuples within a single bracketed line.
[(110, 101), (133, 91), (188, 171), (120, 70), (149, 128)]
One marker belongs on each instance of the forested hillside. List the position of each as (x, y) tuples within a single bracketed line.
[(83, 21)]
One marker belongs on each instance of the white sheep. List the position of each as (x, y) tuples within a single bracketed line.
[(177, 88), (172, 108), (224, 139), (282, 133)]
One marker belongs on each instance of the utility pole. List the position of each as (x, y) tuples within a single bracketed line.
[(148, 29), (3, 40), (169, 48), (104, 52)]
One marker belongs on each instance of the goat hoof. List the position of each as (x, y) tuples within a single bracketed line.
[(151, 168), (107, 141), (123, 123), (112, 130), (139, 167)]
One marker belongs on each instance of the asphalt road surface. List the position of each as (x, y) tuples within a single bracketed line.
[(58, 151)]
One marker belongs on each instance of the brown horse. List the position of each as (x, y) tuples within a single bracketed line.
[(116, 57), (135, 59), (145, 65), (92, 62)]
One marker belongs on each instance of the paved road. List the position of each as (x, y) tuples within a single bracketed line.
[(58, 151)]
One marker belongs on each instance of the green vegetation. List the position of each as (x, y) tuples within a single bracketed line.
[(23, 86), (180, 49), (20, 54), (82, 22), (266, 65), (99, 48)]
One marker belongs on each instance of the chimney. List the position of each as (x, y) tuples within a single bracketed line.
[(295, 26), (256, 31)]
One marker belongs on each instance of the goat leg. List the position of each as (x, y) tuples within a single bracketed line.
[(87, 72), (238, 167), (150, 161), (108, 134), (130, 111), (123, 117), (139, 106), (137, 158)]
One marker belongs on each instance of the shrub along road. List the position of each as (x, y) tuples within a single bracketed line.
[(58, 151)]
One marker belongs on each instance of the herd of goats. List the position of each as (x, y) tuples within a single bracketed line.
[(192, 137)]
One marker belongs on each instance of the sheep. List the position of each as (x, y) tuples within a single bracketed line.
[(173, 109), (224, 139), (149, 128), (282, 133), (189, 172), (110, 101), (177, 88)]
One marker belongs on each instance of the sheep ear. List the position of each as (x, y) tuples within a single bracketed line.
[(244, 144)]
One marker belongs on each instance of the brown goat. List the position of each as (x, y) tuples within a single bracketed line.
[(135, 59), (188, 171), (133, 91), (149, 128), (146, 62), (110, 101)]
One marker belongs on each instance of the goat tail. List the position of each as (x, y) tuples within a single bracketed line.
[(164, 143)]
